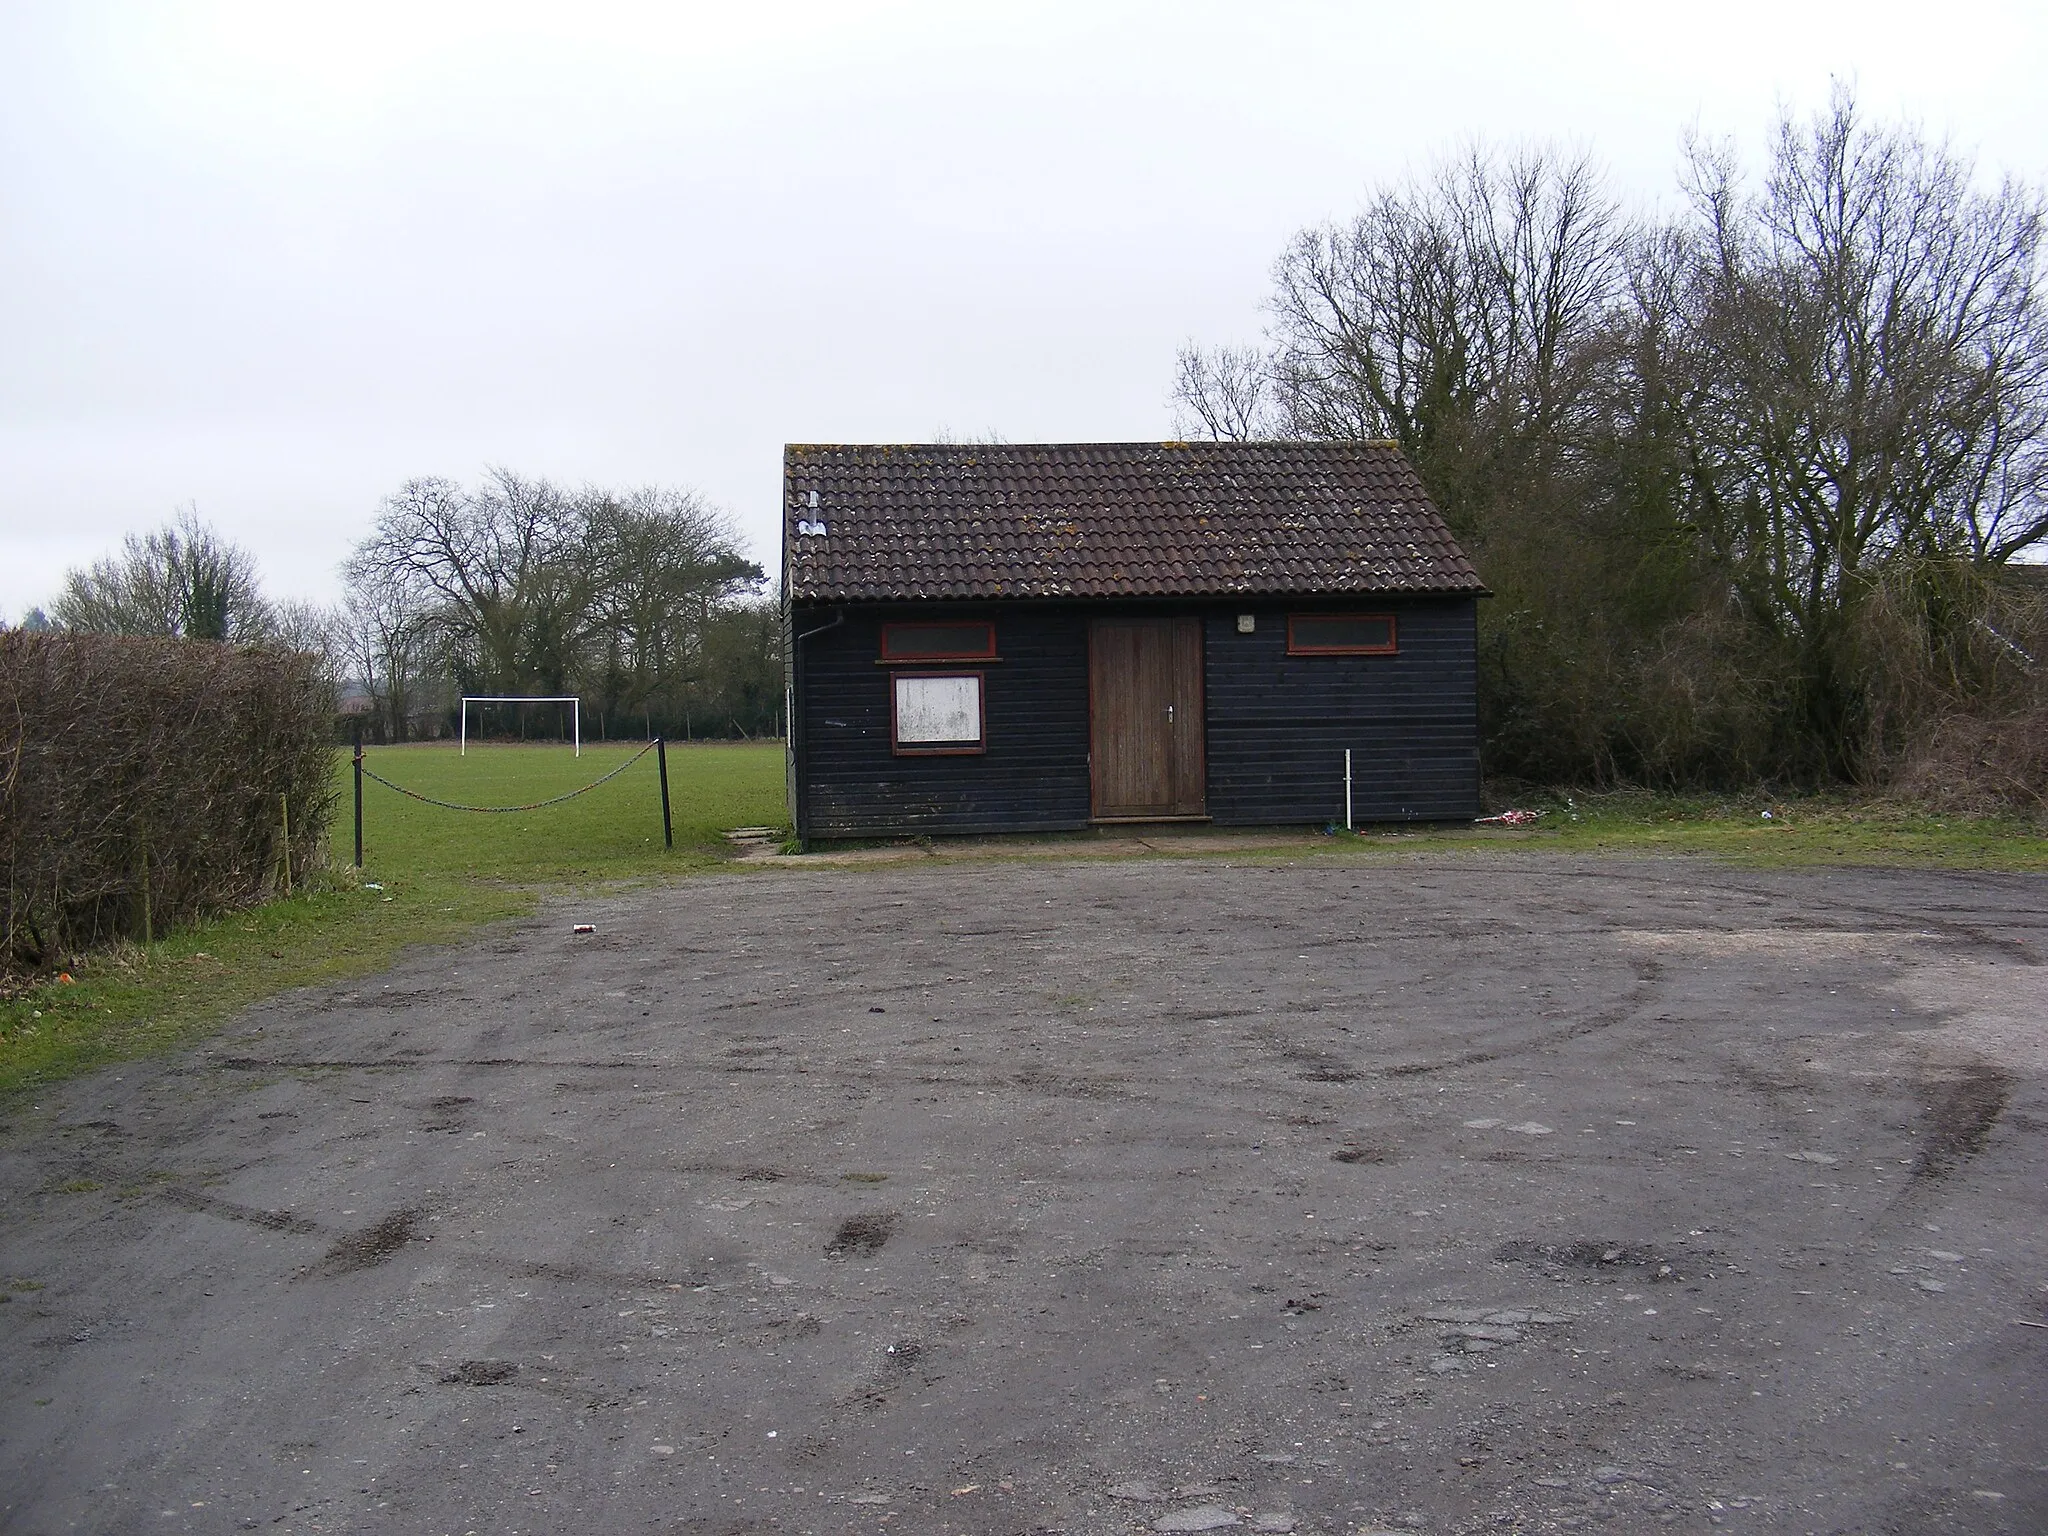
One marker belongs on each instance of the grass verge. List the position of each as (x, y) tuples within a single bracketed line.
[(430, 876), (1764, 831)]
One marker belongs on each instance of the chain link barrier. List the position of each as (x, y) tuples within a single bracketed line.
[(506, 810)]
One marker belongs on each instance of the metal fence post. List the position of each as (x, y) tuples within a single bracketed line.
[(668, 834), (359, 793)]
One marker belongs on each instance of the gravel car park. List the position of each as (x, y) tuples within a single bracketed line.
[(1468, 1192)]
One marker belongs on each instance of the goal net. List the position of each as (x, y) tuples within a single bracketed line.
[(574, 701)]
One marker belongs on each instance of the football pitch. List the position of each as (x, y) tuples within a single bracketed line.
[(610, 831)]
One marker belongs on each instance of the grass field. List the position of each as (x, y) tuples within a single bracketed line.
[(429, 875), (611, 833), (434, 875)]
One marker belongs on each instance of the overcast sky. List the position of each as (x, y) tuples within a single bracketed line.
[(274, 258)]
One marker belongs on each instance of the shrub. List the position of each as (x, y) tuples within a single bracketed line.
[(140, 783), (1956, 667)]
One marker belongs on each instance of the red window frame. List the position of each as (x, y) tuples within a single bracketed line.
[(973, 748), (919, 658), (1391, 648)]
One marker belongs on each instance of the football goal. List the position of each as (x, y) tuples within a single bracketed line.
[(574, 702)]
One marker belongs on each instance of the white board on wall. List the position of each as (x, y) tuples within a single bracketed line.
[(938, 711)]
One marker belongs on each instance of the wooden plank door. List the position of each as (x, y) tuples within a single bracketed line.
[(1145, 718)]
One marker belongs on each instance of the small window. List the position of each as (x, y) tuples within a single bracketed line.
[(1340, 634), (936, 714), (939, 642)]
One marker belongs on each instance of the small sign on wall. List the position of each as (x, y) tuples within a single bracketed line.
[(938, 714)]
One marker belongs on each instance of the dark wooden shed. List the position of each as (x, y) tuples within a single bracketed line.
[(1041, 637)]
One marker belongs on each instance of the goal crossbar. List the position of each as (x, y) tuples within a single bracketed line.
[(575, 701)]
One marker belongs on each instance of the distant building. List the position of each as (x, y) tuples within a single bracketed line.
[(1039, 637)]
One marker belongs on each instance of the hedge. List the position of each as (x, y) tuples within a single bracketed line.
[(145, 783)]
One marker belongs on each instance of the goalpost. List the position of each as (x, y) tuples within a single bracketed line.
[(574, 701)]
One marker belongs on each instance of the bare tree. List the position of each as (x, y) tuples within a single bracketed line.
[(506, 568), (1715, 470), (662, 560), (517, 586), (1873, 355), (182, 579), (1452, 315), (1224, 394), (1865, 351), (742, 672), (385, 633), (313, 629)]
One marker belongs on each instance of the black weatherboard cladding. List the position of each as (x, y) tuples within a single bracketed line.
[(1278, 725), (1033, 775)]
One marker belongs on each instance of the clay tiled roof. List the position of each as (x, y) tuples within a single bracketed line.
[(879, 522)]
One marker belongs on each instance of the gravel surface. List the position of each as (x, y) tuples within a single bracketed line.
[(1463, 1194)]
